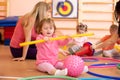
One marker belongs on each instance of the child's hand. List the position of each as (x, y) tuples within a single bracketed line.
[(93, 46), (64, 52), (69, 37), (46, 38)]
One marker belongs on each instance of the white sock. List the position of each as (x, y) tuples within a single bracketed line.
[(85, 69), (61, 72)]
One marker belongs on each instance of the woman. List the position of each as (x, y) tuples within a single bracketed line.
[(25, 31), (117, 15)]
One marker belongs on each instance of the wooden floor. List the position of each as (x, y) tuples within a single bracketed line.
[(12, 70)]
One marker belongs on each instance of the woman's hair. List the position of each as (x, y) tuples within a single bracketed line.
[(117, 7), (47, 21), (117, 10), (117, 14), (81, 26), (38, 13)]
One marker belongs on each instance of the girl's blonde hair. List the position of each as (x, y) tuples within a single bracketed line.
[(45, 20), (37, 14)]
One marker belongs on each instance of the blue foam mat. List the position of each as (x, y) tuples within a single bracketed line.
[(9, 21)]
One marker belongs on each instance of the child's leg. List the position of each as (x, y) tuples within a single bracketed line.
[(115, 54), (59, 65), (108, 53), (96, 53), (47, 67), (73, 49)]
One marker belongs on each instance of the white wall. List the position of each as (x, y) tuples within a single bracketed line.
[(20, 7)]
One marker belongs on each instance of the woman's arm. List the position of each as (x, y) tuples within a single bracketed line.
[(27, 33)]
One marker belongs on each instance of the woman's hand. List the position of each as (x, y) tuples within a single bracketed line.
[(19, 59)]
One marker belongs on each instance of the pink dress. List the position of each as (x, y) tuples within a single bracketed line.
[(48, 51)]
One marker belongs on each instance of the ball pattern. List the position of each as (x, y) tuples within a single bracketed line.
[(74, 64)]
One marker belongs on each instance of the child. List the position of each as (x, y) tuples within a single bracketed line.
[(109, 50), (79, 41), (47, 52)]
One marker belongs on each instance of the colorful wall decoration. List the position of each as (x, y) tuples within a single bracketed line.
[(65, 8)]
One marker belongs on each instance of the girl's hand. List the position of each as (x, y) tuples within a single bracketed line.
[(64, 52), (46, 38), (68, 36), (19, 59)]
